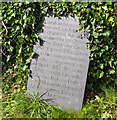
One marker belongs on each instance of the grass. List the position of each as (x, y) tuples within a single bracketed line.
[(19, 105), (103, 105), (23, 106)]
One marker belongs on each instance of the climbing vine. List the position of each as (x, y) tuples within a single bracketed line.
[(22, 21)]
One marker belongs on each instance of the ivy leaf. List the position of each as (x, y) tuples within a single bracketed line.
[(98, 73), (97, 98), (111, 71), (24, 68), (101, 74), (87, 27), (20, 39), (81, 29), (17, 28), (104, 7), (16, 21), (115, 6), (101, 66), (24, 17), (107, 15), (20, 50), (8, 57), (111, 19), (110, 63), (107, 33), (109, 3), (13, 15), (95, 34), (11, 48)]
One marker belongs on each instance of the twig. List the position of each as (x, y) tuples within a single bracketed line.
[(15, 35), (5, 27), (3, 53)]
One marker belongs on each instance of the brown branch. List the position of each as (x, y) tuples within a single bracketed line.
[(3, 53), (5, 27)]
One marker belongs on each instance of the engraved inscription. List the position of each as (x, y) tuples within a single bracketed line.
[(62, 63)]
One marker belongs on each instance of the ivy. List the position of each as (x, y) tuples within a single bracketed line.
[(22, 21)]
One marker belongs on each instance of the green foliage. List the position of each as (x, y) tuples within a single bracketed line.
[(103, 106), (101, 20), (21, 22), (24, 106), (20, 25), (19, 33)]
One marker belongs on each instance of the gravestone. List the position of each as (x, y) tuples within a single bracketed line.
[(61, 64)]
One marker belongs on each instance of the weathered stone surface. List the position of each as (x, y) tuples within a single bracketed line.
[(62, 63)]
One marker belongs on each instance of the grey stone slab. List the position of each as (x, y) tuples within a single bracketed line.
[(62, 64)]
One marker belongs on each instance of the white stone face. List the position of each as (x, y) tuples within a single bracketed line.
[(62, 64)]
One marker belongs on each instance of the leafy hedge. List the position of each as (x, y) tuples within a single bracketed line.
[(21, 22)]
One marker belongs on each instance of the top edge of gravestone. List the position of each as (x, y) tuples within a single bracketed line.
[(58, 1), (51, 14), (73, 17)]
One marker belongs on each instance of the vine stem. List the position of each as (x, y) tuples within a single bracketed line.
[(5, 27), (3, 53)]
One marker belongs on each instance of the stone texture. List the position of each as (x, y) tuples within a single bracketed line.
[(62, 64)]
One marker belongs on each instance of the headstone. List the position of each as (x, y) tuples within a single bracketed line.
[(62, 64)]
